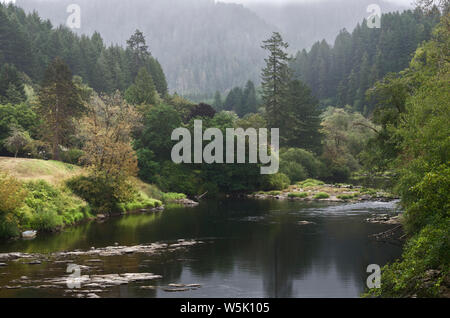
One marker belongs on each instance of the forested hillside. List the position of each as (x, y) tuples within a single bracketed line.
[(205, 46), (302, 23), (30, 43), (340, 74)]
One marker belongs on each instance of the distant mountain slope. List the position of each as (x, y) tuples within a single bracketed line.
[(302, 24), (205, 46)]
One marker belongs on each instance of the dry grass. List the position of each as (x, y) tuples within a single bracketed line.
[(53, 172)]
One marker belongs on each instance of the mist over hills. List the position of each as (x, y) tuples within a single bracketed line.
[(205, 46)]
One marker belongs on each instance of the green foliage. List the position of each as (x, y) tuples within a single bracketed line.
[(172, 196), (421, 151), (346, 136), (178, 178), (301, 127), (344, 72), (11, 85), (275, 79), (338, 174), (48, 208), (20, 116), (72, 156), (278, 181), (425, 251), (159, 123), (18, 141), (310, 183), (426, 200), (140, 201), (103, 196), (241, 101), (32, 43), (293, 170), (346, 196), (299, 164), (59, 103), (143, 91), (321, 195), (12, 195), (300, 195)]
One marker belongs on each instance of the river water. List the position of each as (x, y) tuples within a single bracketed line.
[(247, 248)]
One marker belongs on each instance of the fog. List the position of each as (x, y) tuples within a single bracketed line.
[(198, 40)]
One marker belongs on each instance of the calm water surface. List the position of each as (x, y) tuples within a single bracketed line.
[(251, 249)]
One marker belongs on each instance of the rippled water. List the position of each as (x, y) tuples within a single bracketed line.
[(250, 248)]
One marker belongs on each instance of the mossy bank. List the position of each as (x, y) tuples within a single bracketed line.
[(47, 196)]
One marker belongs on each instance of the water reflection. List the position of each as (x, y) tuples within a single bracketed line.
[(252, 249)]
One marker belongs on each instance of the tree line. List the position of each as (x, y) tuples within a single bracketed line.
[(31, 43), (340, 75)]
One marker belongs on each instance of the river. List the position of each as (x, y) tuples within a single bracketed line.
[(241, 248)]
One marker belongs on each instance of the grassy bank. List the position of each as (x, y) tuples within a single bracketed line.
[(36, 195)]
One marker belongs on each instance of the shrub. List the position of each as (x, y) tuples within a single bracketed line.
[(298, 195), (18, 141), (321, 195), (427, 250), (172, 196), (293, 170), (368, 191), (311, 166), (178, 178), (426, 200), (274, 192), (48, 208), (310, 183), (46, 220), (140, 201), (278, 181), (12, 195), (102, 195), (72, 156), (339, 174)]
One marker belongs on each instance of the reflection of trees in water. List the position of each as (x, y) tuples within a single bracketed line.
[(273, 246), (282, 252), (351, 249)]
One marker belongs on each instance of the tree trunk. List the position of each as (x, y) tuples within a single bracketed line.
[(56, 149)]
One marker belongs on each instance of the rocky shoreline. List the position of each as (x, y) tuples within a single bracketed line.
[(326, 193), (95, 282)]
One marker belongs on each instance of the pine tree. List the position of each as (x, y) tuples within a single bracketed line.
[(138, 48), (59, 103), (218, 104), (275, 79), (302, 129), (250, 102), (143, 91), (233, 101), (11, 86), (158, 76)]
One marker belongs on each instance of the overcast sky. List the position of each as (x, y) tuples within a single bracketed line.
[(403, 2)]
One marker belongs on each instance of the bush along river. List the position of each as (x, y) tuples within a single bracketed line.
[(222, 248)]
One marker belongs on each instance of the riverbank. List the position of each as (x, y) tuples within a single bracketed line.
[(35, 197), (315, 190)]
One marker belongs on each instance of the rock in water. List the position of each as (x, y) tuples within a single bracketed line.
[(29, 234), (304, 222)]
